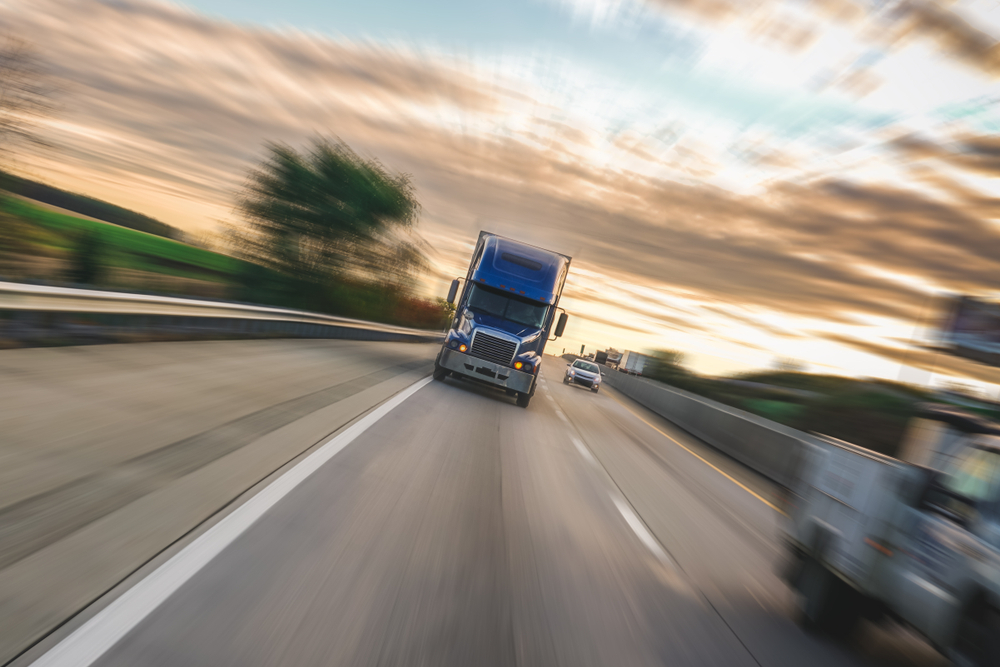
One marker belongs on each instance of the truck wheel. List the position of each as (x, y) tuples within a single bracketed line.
[(523, 400), (978, 640), (829, 606), (440, 372)]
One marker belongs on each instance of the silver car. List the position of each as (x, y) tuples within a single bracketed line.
[(584, 373)]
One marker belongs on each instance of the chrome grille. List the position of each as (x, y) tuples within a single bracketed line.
[(498, 350)]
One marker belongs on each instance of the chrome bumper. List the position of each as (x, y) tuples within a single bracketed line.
[(487, 371)]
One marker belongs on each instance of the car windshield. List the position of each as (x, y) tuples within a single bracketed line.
[(492, 301), (585, 366)]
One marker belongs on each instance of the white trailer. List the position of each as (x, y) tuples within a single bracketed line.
[(632, 363)]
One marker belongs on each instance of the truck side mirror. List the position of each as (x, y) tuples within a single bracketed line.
[(453, 291), (561, 324)]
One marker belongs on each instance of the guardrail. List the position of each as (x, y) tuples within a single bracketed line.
[(771, 449), (40, 314)]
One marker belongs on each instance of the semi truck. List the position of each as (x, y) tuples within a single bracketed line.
[(507, 310), (914, 539), (601, 357), (632, 362)]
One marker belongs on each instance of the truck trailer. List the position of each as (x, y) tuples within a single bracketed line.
[(632, 363), (505, 314)]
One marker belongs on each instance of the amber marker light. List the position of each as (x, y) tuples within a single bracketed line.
[(463, 347), (518, 365)]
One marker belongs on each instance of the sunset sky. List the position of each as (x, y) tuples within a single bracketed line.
[(739, 180)]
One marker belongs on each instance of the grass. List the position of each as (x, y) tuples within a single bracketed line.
[(128, 248), (779, 411)]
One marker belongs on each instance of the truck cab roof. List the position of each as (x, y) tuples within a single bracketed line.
[(524, 270)]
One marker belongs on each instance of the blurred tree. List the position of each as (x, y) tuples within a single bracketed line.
[(88, 259), (25, 96), (789, 365), (447, 312), (329, 212)]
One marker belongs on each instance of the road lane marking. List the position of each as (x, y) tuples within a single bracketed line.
[(562, 416), (700, 458), (584, 452), (640, 530), (95, 637)]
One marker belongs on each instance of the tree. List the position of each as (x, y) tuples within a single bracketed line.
[(88, 258), (24, 100), (25, 95), (329, 212), (789, 365)]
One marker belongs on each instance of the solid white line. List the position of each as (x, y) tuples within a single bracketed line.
[(584, 452), (92, 639), (640, 530)]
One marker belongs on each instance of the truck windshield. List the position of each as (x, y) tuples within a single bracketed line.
[(495, 302), (975, 475)]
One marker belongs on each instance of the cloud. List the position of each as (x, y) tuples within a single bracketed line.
[(935, 361), (168, 110), (952, 32)]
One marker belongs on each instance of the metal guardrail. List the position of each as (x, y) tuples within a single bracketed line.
[(771, 449), (41, 314)]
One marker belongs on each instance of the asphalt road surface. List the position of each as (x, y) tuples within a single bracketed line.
[(459, 529)]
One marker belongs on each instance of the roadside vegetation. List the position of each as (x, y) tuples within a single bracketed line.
[(867, 412), (87, 206)]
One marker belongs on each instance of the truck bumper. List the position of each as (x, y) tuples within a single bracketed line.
[(487, 371)]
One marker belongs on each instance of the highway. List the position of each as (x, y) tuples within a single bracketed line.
[(450, 527)]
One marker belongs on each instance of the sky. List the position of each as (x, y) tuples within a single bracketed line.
[(743, 181)]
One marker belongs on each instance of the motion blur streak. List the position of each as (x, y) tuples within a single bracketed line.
[(458, 529), (793, 178)]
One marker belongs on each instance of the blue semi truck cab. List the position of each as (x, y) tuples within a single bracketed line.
[(507, 311)]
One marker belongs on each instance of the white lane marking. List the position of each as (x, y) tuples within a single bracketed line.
[(561, 415), (92, 639), (640, 530), (584, 452)]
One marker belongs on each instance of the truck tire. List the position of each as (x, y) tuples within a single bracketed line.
[(440, 372), (524, 399), (829, 606), (978, 640)]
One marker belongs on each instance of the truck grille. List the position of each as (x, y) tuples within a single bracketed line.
[(498, 350)]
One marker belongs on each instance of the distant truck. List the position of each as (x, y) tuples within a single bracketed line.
[(916, 540), (505, 314), (601, 358), (632, 363)]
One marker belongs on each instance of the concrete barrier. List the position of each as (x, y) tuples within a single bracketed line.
[(41, 315), (771, 449)]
